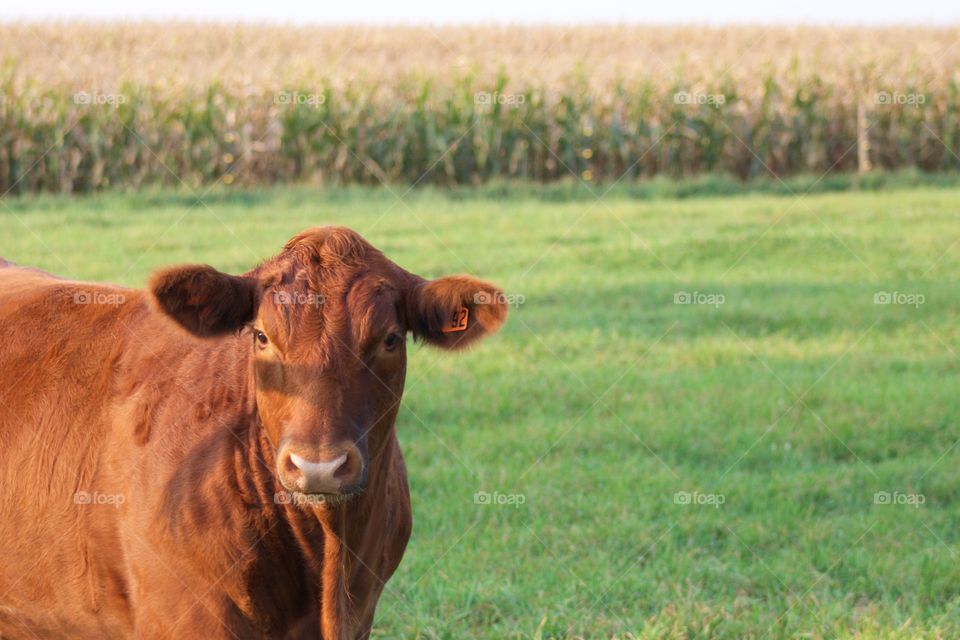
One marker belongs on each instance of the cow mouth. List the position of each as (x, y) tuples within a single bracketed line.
[(330, 498), (301, 499)]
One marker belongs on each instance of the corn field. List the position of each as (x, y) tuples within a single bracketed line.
[(86, 106)]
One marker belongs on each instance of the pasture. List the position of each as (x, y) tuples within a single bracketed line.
[(715, 417)]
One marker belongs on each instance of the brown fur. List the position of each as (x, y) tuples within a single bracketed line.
[(165, 399)]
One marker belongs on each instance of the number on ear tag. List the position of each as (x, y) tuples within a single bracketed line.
[(458, 320)]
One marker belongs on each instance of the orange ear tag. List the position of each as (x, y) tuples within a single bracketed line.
[(458, 320)]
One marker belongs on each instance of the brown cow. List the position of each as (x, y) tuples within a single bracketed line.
[(215, 457)]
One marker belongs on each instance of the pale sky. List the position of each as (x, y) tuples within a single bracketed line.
[(940, 12)]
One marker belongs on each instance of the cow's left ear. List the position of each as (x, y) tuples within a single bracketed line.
[(205, 301), (454, 311)]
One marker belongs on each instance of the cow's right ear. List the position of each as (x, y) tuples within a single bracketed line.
[(203, 300)]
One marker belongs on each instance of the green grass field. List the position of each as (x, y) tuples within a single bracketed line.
[(780, 404)]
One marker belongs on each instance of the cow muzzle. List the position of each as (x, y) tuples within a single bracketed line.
[(334, 472)]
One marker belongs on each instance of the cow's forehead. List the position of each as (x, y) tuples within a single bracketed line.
[(328, 308), (329, 280)]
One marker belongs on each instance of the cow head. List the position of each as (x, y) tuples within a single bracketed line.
[(327, 321)]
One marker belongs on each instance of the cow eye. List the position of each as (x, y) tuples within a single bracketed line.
[(260, 337), (392, 341)]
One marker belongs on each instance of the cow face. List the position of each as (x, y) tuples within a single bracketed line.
[(326, 323)]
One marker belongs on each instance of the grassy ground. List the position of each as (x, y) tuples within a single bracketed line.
[(781, 404)]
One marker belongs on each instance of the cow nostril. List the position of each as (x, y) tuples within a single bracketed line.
[(345, 469), (289, 466)]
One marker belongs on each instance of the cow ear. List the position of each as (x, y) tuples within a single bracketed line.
[(454, 311), (205, 301)]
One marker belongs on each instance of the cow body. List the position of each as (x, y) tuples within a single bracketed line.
[(137, 501), (140, 491)]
